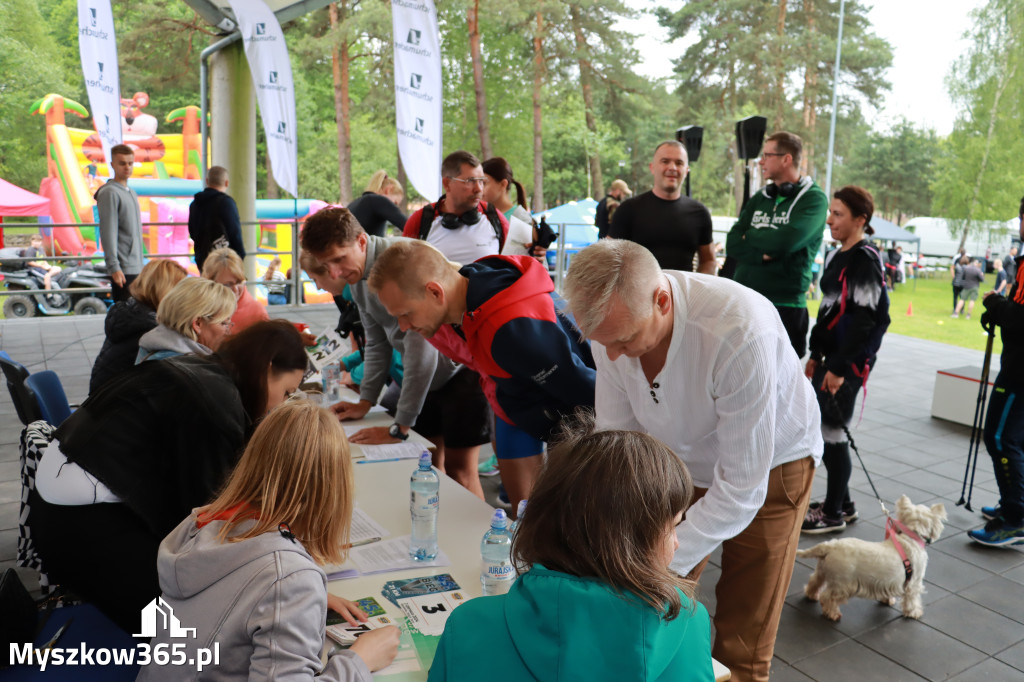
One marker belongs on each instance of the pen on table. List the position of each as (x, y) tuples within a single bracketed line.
[(375, 461), (360, 543)]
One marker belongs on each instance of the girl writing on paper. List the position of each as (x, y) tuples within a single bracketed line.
[(245, 570), (595, 598)]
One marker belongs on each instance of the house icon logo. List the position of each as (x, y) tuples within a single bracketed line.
[(158, 615), (414, 36), (261, 29), (281, 127), (415, 80), (92, 15), (419, 125), (107, 119), (273, 77), (100, 64)]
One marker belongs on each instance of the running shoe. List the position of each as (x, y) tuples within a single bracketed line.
[(816, 523), (849, 510), (489, 467), (998, 533), (991, 512)]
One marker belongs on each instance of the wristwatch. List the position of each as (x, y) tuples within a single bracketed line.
[(395, 431)]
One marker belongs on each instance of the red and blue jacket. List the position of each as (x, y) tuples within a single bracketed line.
[(533, 365)]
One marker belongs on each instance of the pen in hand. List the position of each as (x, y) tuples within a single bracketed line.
[(360, 543)]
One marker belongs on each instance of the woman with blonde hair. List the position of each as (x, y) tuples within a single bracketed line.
[(378, 205), (149, 446), (595, 598), (128, 320), (246, 570), (193, 318), (223, 266)]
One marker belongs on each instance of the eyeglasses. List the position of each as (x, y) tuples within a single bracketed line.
[(471, 181)]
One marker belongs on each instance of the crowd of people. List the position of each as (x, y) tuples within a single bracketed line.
[(650, 416)]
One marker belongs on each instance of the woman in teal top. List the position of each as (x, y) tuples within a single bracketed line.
[(595, 599)]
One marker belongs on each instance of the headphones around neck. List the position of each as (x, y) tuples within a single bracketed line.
[(783, 189), (454, 221)]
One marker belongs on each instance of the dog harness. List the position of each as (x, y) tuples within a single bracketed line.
[(894, 528)]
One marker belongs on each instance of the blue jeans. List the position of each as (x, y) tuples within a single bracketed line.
[(1004, 439), (277, 299)]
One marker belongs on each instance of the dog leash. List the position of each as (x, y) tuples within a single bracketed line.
[(893, 527)]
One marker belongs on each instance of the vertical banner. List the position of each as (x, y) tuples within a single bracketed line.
[(98, 50), (267, 54), (418, 93)]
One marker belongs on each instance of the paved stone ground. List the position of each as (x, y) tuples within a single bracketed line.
[(973, 625)]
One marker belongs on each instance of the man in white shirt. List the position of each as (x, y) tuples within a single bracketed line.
[(705, 365)]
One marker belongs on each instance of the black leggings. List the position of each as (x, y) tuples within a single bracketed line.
[(103, 553), (836, 412)]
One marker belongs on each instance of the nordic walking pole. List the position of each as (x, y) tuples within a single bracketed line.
[(977, 427)]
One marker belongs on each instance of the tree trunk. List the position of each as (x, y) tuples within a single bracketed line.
[(273, 191), (1007, 74), (810, 90), (473, 21), (340, 64), (582, 51), (780, 68), (538, 82)]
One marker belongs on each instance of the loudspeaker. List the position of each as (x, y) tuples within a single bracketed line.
[(691, 137), (749, 136)]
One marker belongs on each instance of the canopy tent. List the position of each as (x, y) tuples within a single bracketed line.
[(573, 213), (891, 232), (17, 201)]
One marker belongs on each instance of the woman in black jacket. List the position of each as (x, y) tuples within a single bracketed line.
[(128, 320), (853, 316), (142, 452)]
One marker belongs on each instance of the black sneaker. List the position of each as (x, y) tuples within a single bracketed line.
[(816, 523), (849, 510)]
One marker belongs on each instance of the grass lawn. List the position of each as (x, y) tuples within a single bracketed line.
[(932, 303)]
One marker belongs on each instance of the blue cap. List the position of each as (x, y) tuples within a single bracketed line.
[(499, 520), (425, 460)]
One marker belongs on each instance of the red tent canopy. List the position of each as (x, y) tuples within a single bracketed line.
[(17, 201)]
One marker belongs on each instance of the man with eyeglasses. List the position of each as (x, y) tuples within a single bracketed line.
[(460, 224), (779, 233)]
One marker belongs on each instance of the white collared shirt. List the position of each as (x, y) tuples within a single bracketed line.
[(731, 401)]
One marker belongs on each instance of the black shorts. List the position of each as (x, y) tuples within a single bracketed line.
[(457, 412)]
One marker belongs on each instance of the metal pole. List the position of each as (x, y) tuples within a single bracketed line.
[(835, 100), (204, 77)]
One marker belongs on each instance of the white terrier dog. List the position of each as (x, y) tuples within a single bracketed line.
[(876, 570)]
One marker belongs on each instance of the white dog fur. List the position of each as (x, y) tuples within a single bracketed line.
[(874, 570)]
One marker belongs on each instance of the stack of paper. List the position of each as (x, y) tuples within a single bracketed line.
[(391, 555)]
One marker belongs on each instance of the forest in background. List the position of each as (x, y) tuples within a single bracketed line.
[(552, 86)]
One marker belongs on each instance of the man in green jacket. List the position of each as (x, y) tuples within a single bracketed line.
[(778, 234)]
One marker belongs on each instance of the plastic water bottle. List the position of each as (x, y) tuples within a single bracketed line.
[(513, 525), (496, 570), (331, 374), (423, 506)]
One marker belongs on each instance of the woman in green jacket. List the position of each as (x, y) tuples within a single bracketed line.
[(595, 599)]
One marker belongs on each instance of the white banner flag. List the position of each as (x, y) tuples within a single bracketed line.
[(418, 93), (267, 54), (98, 49)]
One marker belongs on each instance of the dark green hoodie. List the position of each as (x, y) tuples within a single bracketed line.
[(789, 232), (556, 627)]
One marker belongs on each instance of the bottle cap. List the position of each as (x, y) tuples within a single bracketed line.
[(425, 461), (520, 509), (499, 520)]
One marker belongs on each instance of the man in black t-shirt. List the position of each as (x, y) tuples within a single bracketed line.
[(672, 227)]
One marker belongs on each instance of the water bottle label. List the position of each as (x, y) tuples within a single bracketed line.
[(498, 570), (423, 502)]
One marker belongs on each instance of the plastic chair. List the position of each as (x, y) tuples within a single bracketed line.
[(49, 393), (25, 402)]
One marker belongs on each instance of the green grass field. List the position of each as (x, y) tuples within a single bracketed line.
[(932, 302)]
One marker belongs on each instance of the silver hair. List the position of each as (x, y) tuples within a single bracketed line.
[(611, 267)]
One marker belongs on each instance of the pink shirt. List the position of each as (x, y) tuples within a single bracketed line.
[(249, 312)]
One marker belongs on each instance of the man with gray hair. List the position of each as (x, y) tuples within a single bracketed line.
[(705, 365)]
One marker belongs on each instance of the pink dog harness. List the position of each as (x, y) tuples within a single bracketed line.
[(894, 528)]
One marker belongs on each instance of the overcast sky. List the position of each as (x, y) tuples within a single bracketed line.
[(925, 36)]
